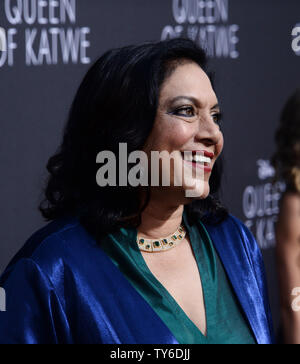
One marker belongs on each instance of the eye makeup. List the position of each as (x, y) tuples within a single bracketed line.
[(218, 118), (186, 111), (189, 112)]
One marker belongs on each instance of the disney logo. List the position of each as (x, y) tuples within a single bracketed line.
[(265, 169)]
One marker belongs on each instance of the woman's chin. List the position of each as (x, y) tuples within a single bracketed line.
[(200, 193)]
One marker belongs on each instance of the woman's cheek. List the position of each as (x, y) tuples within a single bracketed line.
[(181, 134), (220, 145), (173, 137)]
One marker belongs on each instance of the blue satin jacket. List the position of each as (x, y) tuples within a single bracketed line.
[(62, 288)]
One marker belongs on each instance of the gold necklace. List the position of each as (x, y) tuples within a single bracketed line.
[(157, 245)]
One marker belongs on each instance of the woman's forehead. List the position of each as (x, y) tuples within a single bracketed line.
[(188, 80)]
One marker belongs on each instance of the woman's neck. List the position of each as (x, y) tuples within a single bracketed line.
[(160, 220)]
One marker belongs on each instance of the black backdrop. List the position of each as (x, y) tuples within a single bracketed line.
[(251, 48)]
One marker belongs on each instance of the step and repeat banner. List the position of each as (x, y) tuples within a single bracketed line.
[(46, 46)]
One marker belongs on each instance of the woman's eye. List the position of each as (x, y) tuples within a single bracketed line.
[(217, 118), (185, 111)]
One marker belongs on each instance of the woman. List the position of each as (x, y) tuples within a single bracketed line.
[(139, 264), (287, 163)]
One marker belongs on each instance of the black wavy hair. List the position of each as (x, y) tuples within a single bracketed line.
[(286, 159), (117, 103)]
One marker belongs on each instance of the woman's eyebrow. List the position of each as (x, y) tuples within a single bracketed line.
[(216, 107), (190, 98)]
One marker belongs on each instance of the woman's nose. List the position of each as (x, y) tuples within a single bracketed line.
[(209, 132)]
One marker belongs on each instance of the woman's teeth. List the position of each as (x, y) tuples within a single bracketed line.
[(197, 158)]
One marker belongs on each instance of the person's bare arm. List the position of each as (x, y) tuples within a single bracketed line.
[(288, 262)]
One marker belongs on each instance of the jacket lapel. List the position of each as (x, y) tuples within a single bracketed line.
[(142, 324), (243, 263)]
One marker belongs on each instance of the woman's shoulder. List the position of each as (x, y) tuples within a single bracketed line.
[(61, 240), (234, 232), (290, 203), (229, 222), (288, 224), (238, 247)]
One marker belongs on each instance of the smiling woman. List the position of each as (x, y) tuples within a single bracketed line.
[(139, 264)]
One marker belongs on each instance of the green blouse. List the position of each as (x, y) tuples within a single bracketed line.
[(226, 323)]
